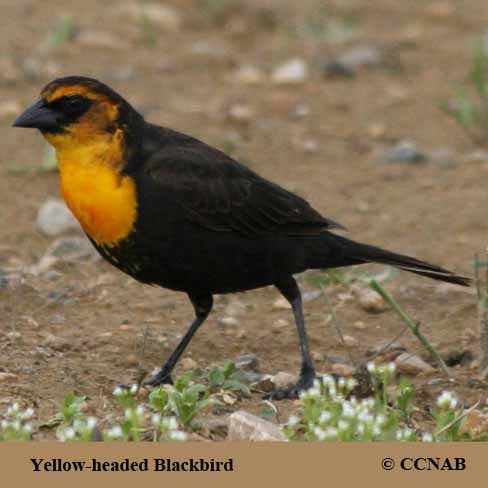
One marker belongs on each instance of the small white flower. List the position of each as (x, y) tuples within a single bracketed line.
[(343, 424), (28, 413), (68, 433), (4, 424), (391, 367), (128, 413), (427, 437), (319, 433), (380, 420), (172, 423), (293, 420), (371, 367), (376, 430), (325, 416), (156, 419), (328, 380), (140, 410), (117, 391), (115, 431), (314, 392), (361, 428), (133, 389), (27, 428), (365, 417), (177, 435), (15, 407), (347, 410), (15, 425), (341, 383), (447, 400), (331, 432), (91, 422)]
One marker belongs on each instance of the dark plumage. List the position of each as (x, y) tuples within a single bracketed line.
[(207, 224)]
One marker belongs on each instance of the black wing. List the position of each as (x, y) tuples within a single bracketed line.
[(220, 194)]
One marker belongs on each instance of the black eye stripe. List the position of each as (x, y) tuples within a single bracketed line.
[(70, 106)]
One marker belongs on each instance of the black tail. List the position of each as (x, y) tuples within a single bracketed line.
[(357, 253)]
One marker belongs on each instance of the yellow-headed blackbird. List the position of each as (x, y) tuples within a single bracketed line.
[(172, 211)]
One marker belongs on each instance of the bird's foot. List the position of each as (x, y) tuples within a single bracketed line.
[(292, 391), (160, 378)]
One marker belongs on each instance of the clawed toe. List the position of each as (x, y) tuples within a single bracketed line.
[(159, 379), (292, 391)]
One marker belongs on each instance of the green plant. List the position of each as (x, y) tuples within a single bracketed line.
[(226, 379), (63, 31), (470, 106), (329, 412), (185, 399), (15, 424)]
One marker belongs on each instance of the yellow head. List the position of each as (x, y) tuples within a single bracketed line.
[(94, 131)]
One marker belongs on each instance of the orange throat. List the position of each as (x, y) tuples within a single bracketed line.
[(103, 201)]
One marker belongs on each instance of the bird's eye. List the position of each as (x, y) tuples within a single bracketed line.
[(73, 103)]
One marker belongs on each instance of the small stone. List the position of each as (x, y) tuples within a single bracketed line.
[(359, 325), (350, 341), (127, 328), (165, 16), (72, 249), (283, 379), (228, 321), (310, 296), (279, 325), (361, 56), (248, 75), (236, 308), (440, 10), (291, 72), (475, 424), (11, 281), (247, 362), (14, 335), (188, 363), (9, 71), (405, 152), (443, 157), (6, 377), (56, 343), (369, 300), (247, 427), (241, 113), (376, 130), (343, 370), (281, 304), (132, 360), (350, 62), (100, 39), (413, 365), (54, 218), (10, 108)]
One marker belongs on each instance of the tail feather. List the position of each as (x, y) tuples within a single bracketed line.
[(358, 253)]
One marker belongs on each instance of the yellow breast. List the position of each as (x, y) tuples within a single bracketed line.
[(103, 201)]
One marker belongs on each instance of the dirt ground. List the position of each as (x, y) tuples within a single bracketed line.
[(82, 326)]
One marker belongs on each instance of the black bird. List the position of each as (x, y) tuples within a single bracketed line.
[(170, 210)]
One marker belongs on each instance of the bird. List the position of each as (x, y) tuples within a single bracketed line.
[(171, 211)]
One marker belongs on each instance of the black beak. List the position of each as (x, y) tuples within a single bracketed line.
[(38, 116)]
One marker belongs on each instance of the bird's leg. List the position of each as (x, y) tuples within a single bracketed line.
[(292, 293), (202, 306)]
